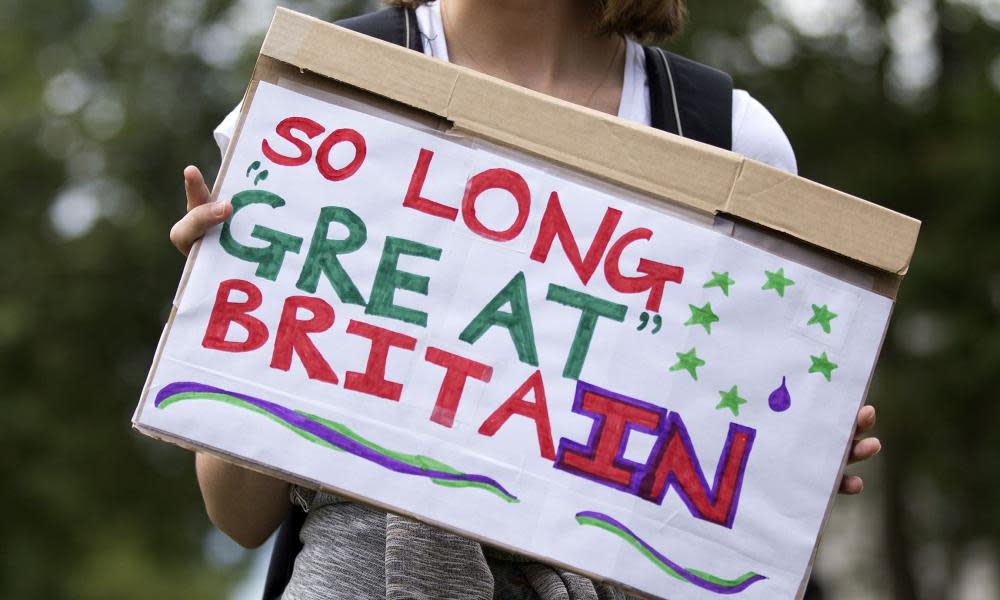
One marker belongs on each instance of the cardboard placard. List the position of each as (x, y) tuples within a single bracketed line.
[(562, 358)]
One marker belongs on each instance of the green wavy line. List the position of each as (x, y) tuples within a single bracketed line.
[(720, 581), (416, 460), (659, 563), (227, 399), (632, 541)]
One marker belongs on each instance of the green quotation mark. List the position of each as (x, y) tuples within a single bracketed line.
[(260, 176), (644, 321)]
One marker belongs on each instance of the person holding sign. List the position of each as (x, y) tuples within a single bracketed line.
[(584, 52)]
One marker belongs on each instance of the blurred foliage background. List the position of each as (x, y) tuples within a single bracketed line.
[(103, 102)]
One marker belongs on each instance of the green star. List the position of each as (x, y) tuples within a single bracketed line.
[(777, 281), (688, 361), (721, 281), (702, 316), (822, 317), (822, 364), (731, 400)]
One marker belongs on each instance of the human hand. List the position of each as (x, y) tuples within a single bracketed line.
[(202, 213), (861, 450)]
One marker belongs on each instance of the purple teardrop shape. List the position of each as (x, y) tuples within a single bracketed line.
[(780, 400)]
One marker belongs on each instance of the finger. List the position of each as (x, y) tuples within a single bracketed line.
[(200, 219), (195, 189), (864, 449), (851, 485), (866, 419)]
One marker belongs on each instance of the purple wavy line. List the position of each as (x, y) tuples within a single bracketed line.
[(689, 577), (326, 434)]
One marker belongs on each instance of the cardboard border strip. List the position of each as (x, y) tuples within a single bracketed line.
[(670, 168)]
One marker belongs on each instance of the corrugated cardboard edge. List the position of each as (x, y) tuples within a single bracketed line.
[(824, 217), (670, 168)]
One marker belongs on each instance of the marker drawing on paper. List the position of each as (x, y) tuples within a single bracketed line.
[(780, 399), (701, 579), (334, 436)]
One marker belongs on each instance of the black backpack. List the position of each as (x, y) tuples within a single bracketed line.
[(686, 98)]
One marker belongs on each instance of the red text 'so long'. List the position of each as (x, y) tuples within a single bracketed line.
[(323, 154), (503, 179), (285, 129)]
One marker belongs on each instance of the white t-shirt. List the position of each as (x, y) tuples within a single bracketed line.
[(756, 133)]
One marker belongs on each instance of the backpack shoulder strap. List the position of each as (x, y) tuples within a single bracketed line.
[(690, 99), (395, 25), (286, 547)]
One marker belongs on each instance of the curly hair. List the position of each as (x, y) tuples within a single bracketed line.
[(643, 20)]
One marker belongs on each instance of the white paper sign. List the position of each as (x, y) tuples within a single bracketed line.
[(538, 361)]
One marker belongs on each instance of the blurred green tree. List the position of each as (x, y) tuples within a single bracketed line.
[(103, 104)]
